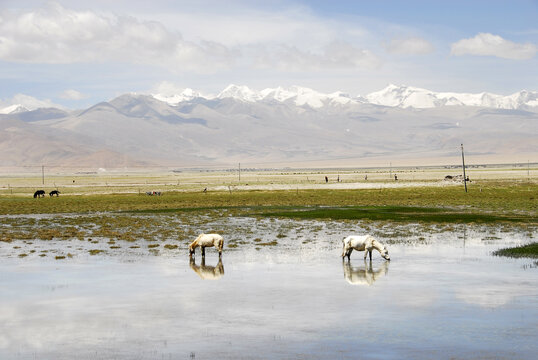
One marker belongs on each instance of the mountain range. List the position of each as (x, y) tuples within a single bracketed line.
[(392, 95), (293, 126)]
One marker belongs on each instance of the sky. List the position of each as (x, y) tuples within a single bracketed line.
[(77, 53)]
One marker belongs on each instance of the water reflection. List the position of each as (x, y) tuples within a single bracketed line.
[(207, 272), (358, 275)]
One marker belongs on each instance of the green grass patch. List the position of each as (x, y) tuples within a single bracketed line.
[(396, 213), (527, 251), (269, 243)]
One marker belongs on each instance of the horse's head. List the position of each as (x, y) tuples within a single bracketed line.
[(191, 250), (382, 249), (385, 254)]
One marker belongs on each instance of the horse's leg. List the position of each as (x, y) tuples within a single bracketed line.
[(203, 251), (349, 254), (370, 252)]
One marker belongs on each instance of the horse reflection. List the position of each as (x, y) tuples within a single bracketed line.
[(356, 275), (207, 272)]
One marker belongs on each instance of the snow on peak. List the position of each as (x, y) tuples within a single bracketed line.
[(407, 96), (299, 95), (305, 96), (13, 109), (403, 96), (393, 95), (187, 94), (243, 93)]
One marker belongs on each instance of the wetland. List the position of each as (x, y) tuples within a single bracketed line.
[(109, 276)]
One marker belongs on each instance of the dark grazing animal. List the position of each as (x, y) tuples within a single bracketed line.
[(39, 193), (54, 192)]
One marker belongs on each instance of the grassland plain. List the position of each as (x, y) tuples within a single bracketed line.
[(499, 198)]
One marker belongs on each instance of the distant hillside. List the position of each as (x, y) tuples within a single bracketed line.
[(274, 126)]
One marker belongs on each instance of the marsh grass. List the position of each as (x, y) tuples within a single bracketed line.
[(526, 251), (260, 219), (397, 213), (269, 243)]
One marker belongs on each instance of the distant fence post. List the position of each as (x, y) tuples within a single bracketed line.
[(463, 161)]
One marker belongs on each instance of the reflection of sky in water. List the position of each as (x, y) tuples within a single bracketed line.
[(434, 300)]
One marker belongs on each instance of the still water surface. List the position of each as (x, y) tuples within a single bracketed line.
[(444, 298)]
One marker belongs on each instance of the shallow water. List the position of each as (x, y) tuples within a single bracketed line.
[(441, 297)]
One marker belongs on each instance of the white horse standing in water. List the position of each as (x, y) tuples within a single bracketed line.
[(364, 243), (207, 240)]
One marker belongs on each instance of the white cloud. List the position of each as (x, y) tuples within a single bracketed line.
[(72, 95), (293, 26), (167, 88), (410, 46), (56, 35), (332, 56), (290, 40), (492, 295), (29, 102), (486, 44)]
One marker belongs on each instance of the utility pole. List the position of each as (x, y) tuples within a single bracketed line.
[(239, 172), (463, 161), (390, 171), (43, 174)]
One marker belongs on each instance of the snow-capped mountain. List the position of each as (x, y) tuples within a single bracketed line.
[(13, 109), (412, 97), (398, 96), (297, 95), (274, 126), (186, 95), (243, 93), (301, 96), (393, 95)]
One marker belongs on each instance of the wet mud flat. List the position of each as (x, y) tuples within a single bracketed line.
[(281, 290)]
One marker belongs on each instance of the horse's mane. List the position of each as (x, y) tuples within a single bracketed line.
[(378, 245)]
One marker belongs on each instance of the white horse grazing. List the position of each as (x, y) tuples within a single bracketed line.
[(207, 240), (364, 243)]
